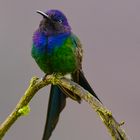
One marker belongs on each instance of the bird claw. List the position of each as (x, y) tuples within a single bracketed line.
[(44, 78)]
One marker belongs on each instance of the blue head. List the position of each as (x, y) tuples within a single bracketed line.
[(54, 22)]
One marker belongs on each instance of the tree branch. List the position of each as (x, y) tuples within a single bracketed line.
[(22, 107), (116, 132), (114, 128)]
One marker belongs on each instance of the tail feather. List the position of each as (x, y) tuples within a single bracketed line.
[(84, 83), (56, 104)]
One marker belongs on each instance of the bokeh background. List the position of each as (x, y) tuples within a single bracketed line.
[(110, 33)]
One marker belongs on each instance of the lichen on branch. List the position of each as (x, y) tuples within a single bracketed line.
[(22, 108)]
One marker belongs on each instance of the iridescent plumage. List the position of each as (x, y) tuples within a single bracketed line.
[(58, 56), (57, 50)]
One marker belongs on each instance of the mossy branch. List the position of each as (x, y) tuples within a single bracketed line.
[(22, 108)]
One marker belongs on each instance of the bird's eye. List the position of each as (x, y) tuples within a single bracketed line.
[(60, 21)]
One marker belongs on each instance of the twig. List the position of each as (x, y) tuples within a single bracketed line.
[(22, 108), (114, 128)]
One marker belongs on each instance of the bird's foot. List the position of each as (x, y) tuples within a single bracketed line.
[(44, 77)]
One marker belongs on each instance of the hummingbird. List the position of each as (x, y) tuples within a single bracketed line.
[(56, 49)]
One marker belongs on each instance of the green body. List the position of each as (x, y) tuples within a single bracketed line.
[(57, 55)]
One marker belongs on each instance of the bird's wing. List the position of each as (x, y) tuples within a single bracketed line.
[(56, 104), (79, 50), (78, 75)]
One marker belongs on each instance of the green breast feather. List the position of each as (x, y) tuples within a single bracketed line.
[(62, 58)]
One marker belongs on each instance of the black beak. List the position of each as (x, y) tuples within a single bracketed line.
[(43, 14)]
